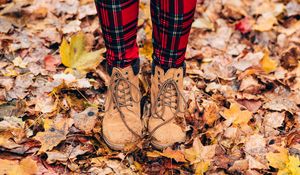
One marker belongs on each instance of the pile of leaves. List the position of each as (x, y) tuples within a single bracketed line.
[(242, 89)]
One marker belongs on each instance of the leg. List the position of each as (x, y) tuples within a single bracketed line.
[(118, 19), (172, 20), (121, 124)]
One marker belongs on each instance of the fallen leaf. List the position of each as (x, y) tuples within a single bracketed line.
[(51, 63), (211, 112), (267, 64), (55, 131), (265, 22), (203, 23), (72, 27), (26, 166), (70, 153), (256, 145), (198, 152), (235, 115), (280, 103), (244, 25), (169, 153), (286, 164), (255, 164), (74, 55), (86, 120), (6, 140), (201, 167), (18, 61)]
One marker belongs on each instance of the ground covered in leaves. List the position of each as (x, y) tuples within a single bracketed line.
[(242, 87)]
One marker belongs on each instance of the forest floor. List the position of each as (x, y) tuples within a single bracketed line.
[(242, 89)]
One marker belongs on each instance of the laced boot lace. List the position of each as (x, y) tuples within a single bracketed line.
[(168, 97), (121, 94)]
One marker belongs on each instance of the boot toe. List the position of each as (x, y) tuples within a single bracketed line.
[(117, 135), (167, 135)]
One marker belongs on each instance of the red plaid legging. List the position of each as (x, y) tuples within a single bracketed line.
[(171, 21)]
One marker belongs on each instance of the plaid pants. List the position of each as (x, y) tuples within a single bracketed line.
[(171, 19)]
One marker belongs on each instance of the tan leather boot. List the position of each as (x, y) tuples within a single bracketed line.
[(122, 123), (167, 123)]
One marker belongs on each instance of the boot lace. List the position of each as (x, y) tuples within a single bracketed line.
[(168, 96), (121, 95)]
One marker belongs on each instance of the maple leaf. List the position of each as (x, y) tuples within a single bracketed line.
[(235, 115), (169, 153), (55, 131), (200, 156), (74, 54), (26, 166), (286, 164)]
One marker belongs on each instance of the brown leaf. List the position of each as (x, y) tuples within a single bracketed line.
[(55, 131), (26, 166), (169, 153), (86, 120)]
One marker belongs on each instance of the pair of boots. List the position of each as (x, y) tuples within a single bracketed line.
[(122, 124)]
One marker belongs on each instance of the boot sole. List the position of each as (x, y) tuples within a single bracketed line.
[(117, 147), (160, 146)]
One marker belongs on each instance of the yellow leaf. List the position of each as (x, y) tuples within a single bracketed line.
[(201, 167), (267, 64), (278, 160), (74, 55), (26, 166), (294, 165), (199, 153), (169, 153), (65, 53), (236, 115), (285, 163)]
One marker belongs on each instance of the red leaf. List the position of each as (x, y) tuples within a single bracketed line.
[(244, 26), (51, 63)]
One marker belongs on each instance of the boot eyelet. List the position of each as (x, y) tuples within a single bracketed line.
[(158, 72), (178, 75), (126, 73), (176, 81)]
